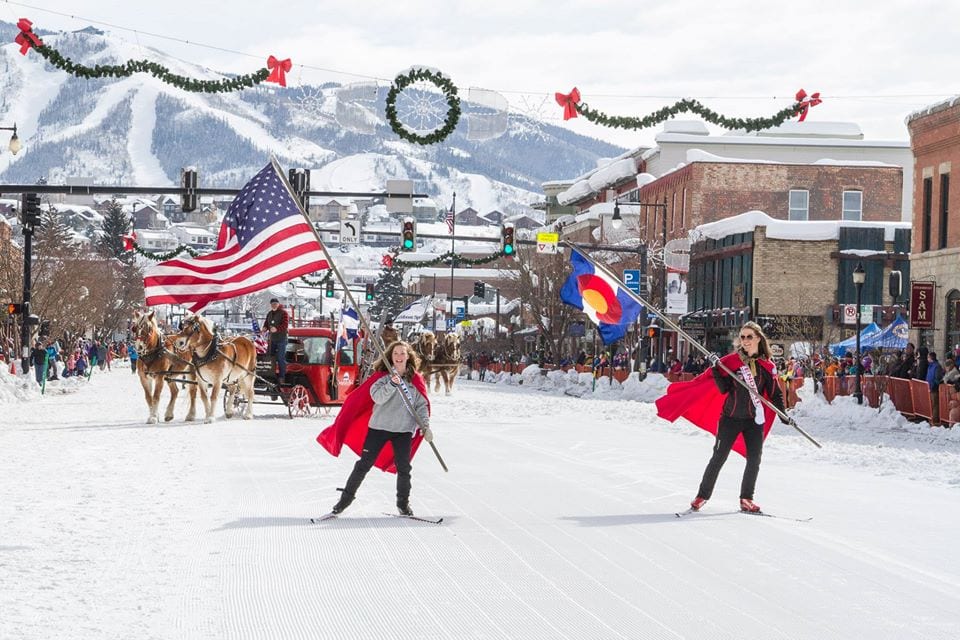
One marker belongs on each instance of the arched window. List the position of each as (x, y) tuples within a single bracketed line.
[(952, 333)]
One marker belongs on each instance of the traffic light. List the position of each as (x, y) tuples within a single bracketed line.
[(30, 208), (653, 331), (188, 180), (329, 291), (300, 183), (479, 289), (896, 284), (14, 309), (369, 292), (408, 237), (509, 248)]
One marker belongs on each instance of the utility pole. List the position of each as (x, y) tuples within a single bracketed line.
[(662, 354), (30, 216), (453, 259)]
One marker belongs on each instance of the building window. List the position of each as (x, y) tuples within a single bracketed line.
[(926, 214), (683, 210), (944, 208), (852, 205), (799, 204)]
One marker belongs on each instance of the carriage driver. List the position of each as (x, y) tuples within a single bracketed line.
[(276, 325)]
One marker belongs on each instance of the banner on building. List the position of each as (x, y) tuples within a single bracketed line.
[(922, 295), (676, 292)]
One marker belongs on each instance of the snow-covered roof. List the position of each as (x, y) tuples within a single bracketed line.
[(943, 105), (788, 229), (837, 134), (699, 155)]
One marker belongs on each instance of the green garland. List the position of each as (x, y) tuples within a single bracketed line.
[(170, 255), (55, 58), (443, 83), (681, 106), (456, 257), (318, 282)]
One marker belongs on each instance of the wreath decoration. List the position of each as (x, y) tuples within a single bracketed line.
[(404, 80)]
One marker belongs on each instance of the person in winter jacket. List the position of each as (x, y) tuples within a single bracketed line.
[(38, 358), (134, 356), (391, 422), (742, 415), (907, 363), (934, 376), (276, 324)]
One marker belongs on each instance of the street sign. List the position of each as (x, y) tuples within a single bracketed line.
[(547, 242), (400, 199), (632, 278), (451, 323), (850, 314), (349, 232), (461, 313)]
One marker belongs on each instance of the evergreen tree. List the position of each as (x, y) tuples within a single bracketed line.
[(53, 238), (389, 297), (116, 224)]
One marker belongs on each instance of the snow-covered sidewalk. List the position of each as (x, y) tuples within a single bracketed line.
[(558, 524)]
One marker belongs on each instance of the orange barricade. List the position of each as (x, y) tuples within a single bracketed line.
[(920, 394), (947, 395), (830, 385), (871, 394), (899, 391)]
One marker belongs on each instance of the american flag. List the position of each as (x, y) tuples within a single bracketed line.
[(264, 240), (259, 342), (451, 220)]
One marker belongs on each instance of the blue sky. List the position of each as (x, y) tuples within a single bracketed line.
[(873, 62)]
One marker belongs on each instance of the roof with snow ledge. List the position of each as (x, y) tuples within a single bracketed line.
[(788, 229)]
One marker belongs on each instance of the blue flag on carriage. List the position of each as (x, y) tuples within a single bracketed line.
[(349, 324)]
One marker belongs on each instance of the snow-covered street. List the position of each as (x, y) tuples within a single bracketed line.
[(558, 523)]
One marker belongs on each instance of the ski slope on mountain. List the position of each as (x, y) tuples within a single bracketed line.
[(558, 523)]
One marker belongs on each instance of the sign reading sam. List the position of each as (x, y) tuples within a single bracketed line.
[(921, 304)]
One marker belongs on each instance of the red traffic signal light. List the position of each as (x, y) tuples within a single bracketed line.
[(653, 331), (14, 309), (408, 235)]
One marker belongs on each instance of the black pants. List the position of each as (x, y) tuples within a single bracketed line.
[(727, 432), (278, 349), (372, 445)]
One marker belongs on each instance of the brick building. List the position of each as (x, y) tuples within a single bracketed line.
[(791, 275), (935, 140)]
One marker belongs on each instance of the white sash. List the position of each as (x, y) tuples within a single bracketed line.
[(758, 417)]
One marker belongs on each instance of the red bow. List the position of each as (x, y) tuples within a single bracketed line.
[(805, 104), (278, 70), (387, 260), (128, 241), (26, 38), (569, 103)]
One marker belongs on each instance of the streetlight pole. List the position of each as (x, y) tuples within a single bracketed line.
[(859, 277)]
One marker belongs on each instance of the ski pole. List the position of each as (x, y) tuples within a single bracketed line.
[(366, 326), (673, 326)]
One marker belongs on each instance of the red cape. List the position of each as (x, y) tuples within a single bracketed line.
[(700, 401), (352, 423)]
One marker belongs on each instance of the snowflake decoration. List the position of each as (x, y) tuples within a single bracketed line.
[(529, 117), (310, 102), (421, 108)]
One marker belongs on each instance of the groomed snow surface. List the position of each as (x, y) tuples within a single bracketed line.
[(558, 523)]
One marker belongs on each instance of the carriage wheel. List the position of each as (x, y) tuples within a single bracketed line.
[(298, 402)]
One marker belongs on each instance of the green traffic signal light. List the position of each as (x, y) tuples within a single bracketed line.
[(508, 249), (407, 243)]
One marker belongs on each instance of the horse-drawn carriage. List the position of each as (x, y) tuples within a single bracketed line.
[(318, 375)]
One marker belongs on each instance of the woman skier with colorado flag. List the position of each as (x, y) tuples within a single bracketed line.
[(744, 421)]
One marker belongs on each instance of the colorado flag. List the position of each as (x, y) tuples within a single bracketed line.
[(601, 298)]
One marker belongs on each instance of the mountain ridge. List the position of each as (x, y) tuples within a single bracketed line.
[(134, 130)]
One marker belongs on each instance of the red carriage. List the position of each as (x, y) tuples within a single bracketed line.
[(318, 374)]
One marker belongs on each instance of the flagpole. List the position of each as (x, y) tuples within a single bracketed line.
[(453, 259), (366, 327), (670, 323)]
